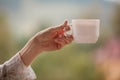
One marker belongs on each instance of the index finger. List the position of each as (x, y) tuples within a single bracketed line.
[(65, 26), (62, 26)]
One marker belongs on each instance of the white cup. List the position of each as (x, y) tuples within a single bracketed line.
[(85, 30)]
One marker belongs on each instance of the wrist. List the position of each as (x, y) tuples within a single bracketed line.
[(30, 52)]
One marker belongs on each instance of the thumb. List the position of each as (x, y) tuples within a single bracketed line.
[(64, 24)]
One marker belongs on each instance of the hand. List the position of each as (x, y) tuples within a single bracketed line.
[(53, 38), (47, 40)]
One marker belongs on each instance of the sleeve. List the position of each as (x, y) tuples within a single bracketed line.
[(14, 69)]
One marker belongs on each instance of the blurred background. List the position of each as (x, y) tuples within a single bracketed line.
[(21, 19)]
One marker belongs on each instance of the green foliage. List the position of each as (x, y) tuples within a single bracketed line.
[(7, 47), (66, 64)]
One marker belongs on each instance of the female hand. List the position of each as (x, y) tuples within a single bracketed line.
[(53, 38), (47, 40)]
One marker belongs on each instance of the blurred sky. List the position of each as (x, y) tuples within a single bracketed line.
[(24, 15)]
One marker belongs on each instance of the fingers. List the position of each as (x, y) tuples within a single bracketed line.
[(65, 23), (67, 28), (64, 26), (63, 40), (57, 34), (68, 39), (60, 30), (60, 43)]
